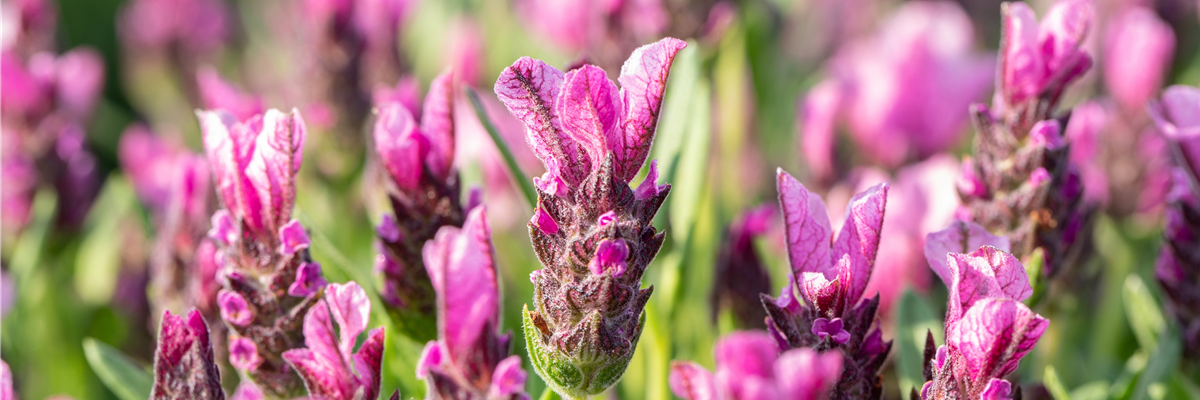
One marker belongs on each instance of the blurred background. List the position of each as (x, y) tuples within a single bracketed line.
[(98, 100)]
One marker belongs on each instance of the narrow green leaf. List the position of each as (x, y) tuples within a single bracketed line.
[(1054, 385), (122, 376), (1091, 391), (914, 319), (99, 259), (549, 394), (523, 183), (1164, 361), (1145, 317)]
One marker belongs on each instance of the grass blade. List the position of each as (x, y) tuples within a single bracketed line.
[(122, 376), (523, 183)]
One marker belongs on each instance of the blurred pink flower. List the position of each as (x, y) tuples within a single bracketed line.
[(905, 91), (195, 25), (580, 24), (464, 50), (750, 366), (217, 94), (1138, 50)]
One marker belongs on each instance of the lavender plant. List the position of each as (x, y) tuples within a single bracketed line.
[(184, 366), (591, 231), (423, 188), (750, 366), (269, 280), (830, 280), (1020, 182)]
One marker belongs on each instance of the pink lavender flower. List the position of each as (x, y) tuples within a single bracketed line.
[(988, 329), (750, 367), (184, 25), (329, 365), (591, 230), (423, 187), (901, 93), (1138, 49), (28, 26), (469, 360), (1021, 181), (184, 366), (264, 251), (741, 274), (830, 275), (580, 25), (1178, 266)]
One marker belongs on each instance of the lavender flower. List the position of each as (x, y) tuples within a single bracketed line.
[(1021, 183), (591, 230), (1178, 267), (750, 367), (831, 282), (330, 368), (184, 366), (988, 329), (423, 187), (1138, 48), (741, 275), (469, 360), (270, 282), (901, 92)]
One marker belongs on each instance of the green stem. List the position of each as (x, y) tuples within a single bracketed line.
[(519, 179)]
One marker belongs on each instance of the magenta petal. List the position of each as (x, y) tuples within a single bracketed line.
[(1022, 69), (246, 390), (460, 264), (326, 371), (431, 357), (993, 336), (229, 145), (224, 228), (368, 361), (643, 83), (1063, 29), (351, 309), (308, 280), (1047, 133), (292, 238), (610, 254), (530, 90), (388, 229), (437, 123), (216, 94), (184, 366), (278, 152), (807, 226), (401, 146), (649, 186), (243, 354), (690, 381), (959, 237), (985, 273), (996, 389), (234, 308), (80, 76), (544, 222), (746, 354), (590, 110), (859, 237), (508, 378), (803, 373), (1138, 49)]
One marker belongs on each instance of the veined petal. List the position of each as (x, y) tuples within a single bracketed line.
[(351, 309), (229, 145), (746, 354), (590, 110), (960, 237), (643, 82), (278, 152), (993, 336), (985, 273), (1022, 68), (806, 227), (859, 237), (367, 363), (184, 366), (401, 147), (690, 381), (805, 374), (1062, 31), (530, 90), (508, 378)]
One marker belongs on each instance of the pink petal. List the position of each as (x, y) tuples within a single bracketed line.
[(407, 92), (746, 354), (590, 110), (530, 90), (229, 145), (148, 162), (802, 373), (1137, 53), (643, 82), (224, 228), (690, 381), (216, 94), (80, 78), (807, 227), (243, 354), (401, 147), (818, 118), (1063, 29), (246, 390), (368, 361), (278, 151), (996, 389), (308, 280), (859, 237), (431, 357), (544, 222), (1022, 69), (959, 237), (610, 254), (993, 336), (351, 309), (292, 238), (388, 229), (234, 308), (1046, 133), (508, 378), (437, 123), (985, 273), (649, 186), (326, 371), (460, 264)]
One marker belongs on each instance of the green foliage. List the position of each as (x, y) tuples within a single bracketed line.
[(124, 377), (915, 319)]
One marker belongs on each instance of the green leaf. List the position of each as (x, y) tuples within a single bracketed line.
[(914, 319), (122, 376), (99, 259), (1164, 361), (1054, 385), (1091, 391), (523, 183), (1145, 317)]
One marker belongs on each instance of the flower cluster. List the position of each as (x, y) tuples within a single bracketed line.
[(329, 365), (469, 359), (1021, 182), (987, 327), (830, 280), (423, 189), (750, 367), (184, 367), (269, 280), (1178, 267), (591, 231)]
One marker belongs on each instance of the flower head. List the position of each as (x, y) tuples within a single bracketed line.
[(329, 365), (593, 139), (750, 367), (183, 364)]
